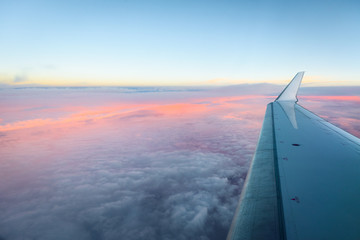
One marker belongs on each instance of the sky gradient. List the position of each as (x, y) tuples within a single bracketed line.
[(138, 43)]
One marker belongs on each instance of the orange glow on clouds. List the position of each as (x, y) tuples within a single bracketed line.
[(336, 98), (79, 114), (181, 108), (249, 109)]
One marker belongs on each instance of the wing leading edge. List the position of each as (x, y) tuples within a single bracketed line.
[(304, 180)]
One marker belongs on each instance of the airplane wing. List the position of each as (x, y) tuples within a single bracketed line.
[(304, 179)]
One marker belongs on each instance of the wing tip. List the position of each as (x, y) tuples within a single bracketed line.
[(290, 91)]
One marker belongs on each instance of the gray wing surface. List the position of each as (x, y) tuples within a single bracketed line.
[(304, 180)]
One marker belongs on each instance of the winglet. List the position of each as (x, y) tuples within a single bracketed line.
[(289, 93)]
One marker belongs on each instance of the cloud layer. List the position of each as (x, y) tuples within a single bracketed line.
[(126, 170), (103, 164)]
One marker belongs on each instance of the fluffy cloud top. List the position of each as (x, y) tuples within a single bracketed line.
[(103, 164), (125, 169)]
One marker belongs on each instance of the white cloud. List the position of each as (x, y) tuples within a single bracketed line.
[(133, 178)]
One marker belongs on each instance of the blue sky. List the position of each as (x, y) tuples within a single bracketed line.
[(178, 42)]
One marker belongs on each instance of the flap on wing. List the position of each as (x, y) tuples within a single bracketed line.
[(290, 92)]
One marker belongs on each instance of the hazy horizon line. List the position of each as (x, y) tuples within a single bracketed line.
[(304, 85)]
